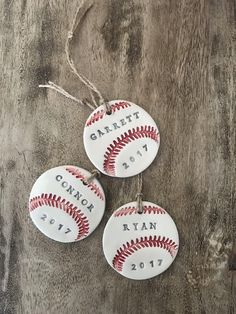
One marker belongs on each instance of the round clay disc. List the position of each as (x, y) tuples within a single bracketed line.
[(63, 206), (140, 246), (122, 143)]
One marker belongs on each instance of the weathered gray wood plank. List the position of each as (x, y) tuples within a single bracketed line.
[(177, 60)]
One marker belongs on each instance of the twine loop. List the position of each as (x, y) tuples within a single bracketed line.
[(70, 34), (139, 195), (94, 173), (80, 13), (107, 107)]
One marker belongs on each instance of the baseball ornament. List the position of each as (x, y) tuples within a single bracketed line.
[(64, 206), (122, 142), (140, 246)]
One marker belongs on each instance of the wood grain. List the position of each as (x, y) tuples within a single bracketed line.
[(177, 60)]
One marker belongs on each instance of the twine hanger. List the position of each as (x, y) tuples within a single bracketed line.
[(139, 194), (94, 173), (60, 90), (84, 7), (80, 13)]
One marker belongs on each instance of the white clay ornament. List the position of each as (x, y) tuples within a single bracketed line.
[(140, 246), (64, 206), (122, 143)]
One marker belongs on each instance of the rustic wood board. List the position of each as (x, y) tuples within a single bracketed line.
[(177, 60)]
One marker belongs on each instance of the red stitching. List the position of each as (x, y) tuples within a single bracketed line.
[(133, 210), (130, 247), (114, 149), (56, 201), (101, 113), (92, 186)]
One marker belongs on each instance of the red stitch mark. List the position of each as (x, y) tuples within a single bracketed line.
[(56, 201), (92, 186), (130, 247), (101, 113), (114, 149), (133, 210)]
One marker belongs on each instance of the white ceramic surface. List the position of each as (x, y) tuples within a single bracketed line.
[(123, 143), (63, 207), (140, 246)]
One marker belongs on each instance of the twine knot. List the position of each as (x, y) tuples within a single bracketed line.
[(94, 173), (107, 106), (139, 202), (70, 34)]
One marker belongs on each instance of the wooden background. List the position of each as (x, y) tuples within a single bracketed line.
[(176, 58)]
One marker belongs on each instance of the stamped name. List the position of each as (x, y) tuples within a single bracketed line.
[(137, 226), (75, 193), (114, 126)]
